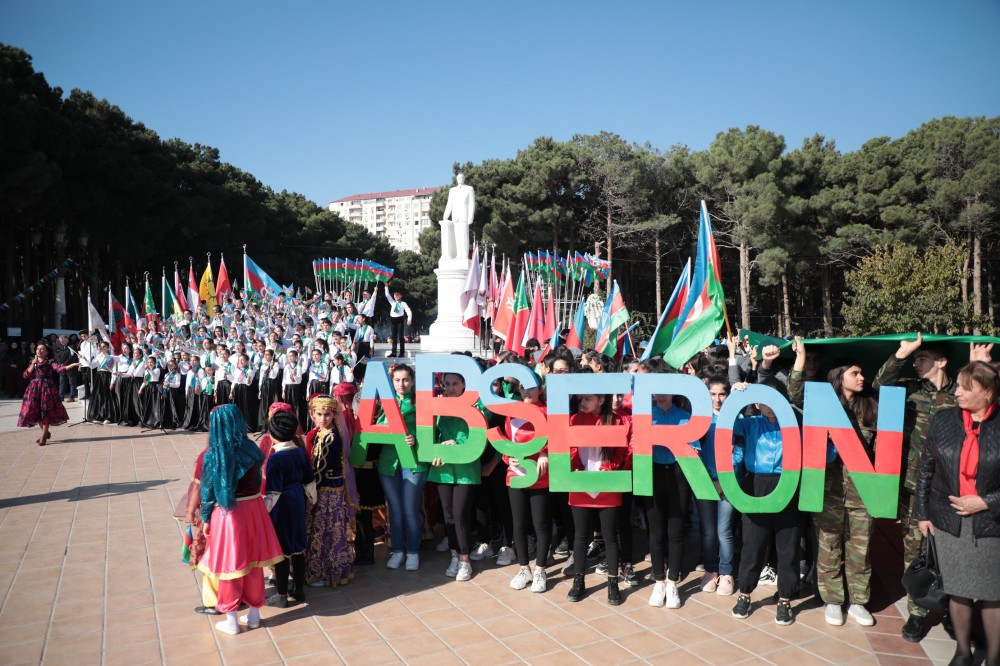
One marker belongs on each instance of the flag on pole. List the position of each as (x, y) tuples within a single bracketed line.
[(551, 325), (258, 281), (664, 331), (704, 312), (519, 318), (179, 290), (505, 308), (493, 295), (94, 321), (193, 297), (148, 306), (222, 286), (536, 320), (118, 321), (132, 312), (575, 338), (170, 305), (615, 314), (468, 301), (207, 289)]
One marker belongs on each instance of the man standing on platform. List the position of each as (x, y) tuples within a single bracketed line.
[(399, 313)]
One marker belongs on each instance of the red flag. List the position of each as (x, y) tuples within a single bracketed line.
[(469, 302), (179, 291), (536, 320), (194, 299), (222, 286), (575, 338), (505, 308), (550, 317), (519, 318)]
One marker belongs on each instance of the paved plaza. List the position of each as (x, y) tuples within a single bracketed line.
[(90, 573)]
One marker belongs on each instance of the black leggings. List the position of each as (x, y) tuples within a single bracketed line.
[(582, 517), (537, 499), (760, 530), (298, 567), (625, 529), (493, 508), (666, 512), (457, 502)]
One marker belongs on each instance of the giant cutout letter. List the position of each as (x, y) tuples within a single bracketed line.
[(462, 407), (378, 387), (825, 419), (516, 410), (677, 438), (791, 450), (561, 435)]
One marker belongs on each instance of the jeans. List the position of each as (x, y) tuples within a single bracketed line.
[(403, 493), (716, 536), (67, 384)]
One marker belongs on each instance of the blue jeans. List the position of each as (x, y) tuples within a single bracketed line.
[(403, 493), (716, 536)]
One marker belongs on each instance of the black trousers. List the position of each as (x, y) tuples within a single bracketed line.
[(457, 504), (298, 567), (583, 519), (398, 341), (493, 508), (563, 518), (759, 529), (666, 512), (536, 501)]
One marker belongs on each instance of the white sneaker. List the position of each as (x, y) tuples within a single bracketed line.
[(443, 546), (395, 561), (539, 582), (768, 576), (412, 561), (506, 557), (481, 552), (452, 569), (464, 571), (861, 615), (834, 614), (659, 596), (673, 598), (521, 580)]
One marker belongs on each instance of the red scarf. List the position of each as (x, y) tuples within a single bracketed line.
[(969, 462)]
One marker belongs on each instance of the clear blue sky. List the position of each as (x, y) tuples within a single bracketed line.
[(332, 98)]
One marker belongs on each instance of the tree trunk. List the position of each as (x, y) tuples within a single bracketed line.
[(977, 281), (744, 285), (990, 298), (609, 247), (786, 305), (825, 281), (965, 275), (659, 263)]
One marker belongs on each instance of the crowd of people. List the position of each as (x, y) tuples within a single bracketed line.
[(295, 503)]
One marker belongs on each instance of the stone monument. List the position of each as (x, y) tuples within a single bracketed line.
[(447, 333)]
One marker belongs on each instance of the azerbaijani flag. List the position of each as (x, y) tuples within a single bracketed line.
[(615, 315), (504, 314), (664, 332), (519, 318), (179, 290), (536, 319), (258, 280), (575, 338), (171, 306), (704, 312)]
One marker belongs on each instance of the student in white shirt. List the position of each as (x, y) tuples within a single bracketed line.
[(399, 313)]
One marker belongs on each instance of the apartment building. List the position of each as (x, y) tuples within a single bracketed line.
[(399, 215)]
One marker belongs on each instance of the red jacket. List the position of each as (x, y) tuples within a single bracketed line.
[(621, 459), (523, 433)]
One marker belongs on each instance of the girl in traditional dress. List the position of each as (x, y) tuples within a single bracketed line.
[(370, 495), (241, 538), (290, 487), (330, 557), (243, 393), (41, 405)]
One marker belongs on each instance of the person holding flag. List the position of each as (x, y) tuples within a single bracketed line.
[(398, 310)]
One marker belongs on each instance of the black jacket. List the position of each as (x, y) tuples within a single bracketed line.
[(937, 476)]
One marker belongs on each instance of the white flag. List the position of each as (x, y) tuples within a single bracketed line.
[(94, 321)]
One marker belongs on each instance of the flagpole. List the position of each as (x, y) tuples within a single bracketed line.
[(163, 291), (246, 272)]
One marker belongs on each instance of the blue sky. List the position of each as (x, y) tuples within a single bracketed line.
[(336, 98)]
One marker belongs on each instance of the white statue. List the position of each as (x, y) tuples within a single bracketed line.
[(461, 207)]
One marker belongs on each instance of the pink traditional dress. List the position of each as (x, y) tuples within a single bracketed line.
[(41, 405)]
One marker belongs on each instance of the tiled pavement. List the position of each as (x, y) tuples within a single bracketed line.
[(90, 574)]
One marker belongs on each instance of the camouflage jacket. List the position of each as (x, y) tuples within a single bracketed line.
[(923, 401)]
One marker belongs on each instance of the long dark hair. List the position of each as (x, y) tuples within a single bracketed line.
[(863, 405)]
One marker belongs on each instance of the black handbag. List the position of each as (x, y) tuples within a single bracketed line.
[(922, 579)]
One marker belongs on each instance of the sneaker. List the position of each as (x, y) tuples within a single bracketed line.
[(768, 576), (562, 549), (834, 614), (673, 598), (539, 582), (568, 565), (860, 615), (726, 586), (481, 552), (659, 596), (602, 568), (521, 579), (627, 573), (412, 561), (107, 422), (742, 608), (595, 550), (783, 615), (700, 568), (710, 582), (579, 589), (614, 594), (452, 569), (506, 557), (464, 571), (277, 601), (395, 561), (913, 630), (443, 547)]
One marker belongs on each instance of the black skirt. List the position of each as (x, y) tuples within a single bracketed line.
[(125, 397), (269, 392), (245, 397), (99, 408), (150, 406), (206, 403), (294, 397), (192, 410), (222, 390), (172, 415)]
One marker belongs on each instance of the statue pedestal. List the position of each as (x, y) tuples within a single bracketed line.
[(447, 333)]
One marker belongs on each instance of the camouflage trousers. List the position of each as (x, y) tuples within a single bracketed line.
[(913, 541), (843, 532)]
